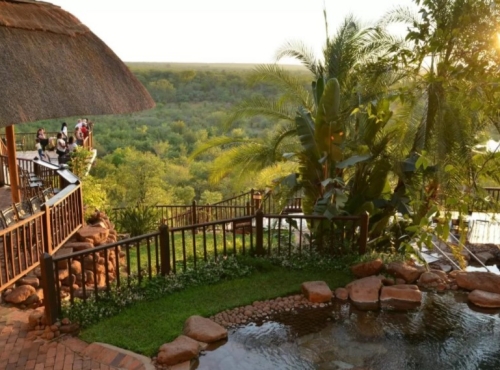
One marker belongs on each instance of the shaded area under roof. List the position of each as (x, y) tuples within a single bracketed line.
[(51, 66)]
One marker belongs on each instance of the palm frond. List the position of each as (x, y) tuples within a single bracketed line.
[(256, 106), (214, 143), (400, 14), (300, 51), (293, 89)]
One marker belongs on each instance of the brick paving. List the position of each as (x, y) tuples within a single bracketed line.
[(20, 349)]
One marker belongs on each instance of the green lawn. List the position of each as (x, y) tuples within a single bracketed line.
[(145, 326)]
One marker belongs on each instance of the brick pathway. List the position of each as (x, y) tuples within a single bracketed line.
[(20, 350)]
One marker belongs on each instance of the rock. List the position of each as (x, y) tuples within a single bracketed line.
[(485, 281), (405, 271), (366, 269), (62, 274), (30, 280), (180, 350), (399, 281), (64, 251), (429, 280), (401, 297), (96, 235), (365, 292), (20, 294), (76, 267), (32, 299), (484, 299), (484, 257), (388, 281), (35, 317), (316, 291), (203, 330), (341, 293), (78, 246)]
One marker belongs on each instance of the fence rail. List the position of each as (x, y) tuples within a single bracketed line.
[(98, 271)]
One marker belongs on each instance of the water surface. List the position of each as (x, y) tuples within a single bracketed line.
[(445, 333)]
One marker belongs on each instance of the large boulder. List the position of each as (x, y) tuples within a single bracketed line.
[(364, 293), (316, 291), (203, 329), (400, 297), (430, 280), (180, 350), (405, 271), (366, 269), (78, 246), (95, 235), (477, 280), (484, 299), (20, 294)]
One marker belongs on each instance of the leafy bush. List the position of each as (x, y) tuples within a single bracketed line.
[(110, 304), (138, 220)]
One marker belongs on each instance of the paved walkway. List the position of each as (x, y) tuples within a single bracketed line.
[(19, 349)]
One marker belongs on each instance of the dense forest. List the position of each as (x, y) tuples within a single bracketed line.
[(193, 102)]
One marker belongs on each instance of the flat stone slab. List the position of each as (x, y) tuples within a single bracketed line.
[(95, 235), (366, 269), (400, 297), (20, 294), (484, 299), (182, 349), (477, 280), (204, 330), (404, 271), (365, 292), (317, 291)]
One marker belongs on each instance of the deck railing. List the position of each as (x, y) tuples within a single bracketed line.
[(22, 244), (172, 250), (26, 141)]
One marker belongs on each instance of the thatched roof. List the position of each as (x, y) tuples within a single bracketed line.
[(51, 66)]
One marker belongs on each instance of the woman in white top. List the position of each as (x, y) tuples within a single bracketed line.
[(64, 131), (60, 145), (71, 144)]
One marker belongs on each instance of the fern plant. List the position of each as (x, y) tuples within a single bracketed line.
[(138, 220)]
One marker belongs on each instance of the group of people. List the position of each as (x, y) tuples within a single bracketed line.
[(64, 144)]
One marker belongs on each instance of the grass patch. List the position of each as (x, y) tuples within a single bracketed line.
[(145, 326)]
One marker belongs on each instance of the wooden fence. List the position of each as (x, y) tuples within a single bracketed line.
[(172, 250), (22, 243)]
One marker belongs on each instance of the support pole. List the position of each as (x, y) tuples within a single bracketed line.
[(13, 173)]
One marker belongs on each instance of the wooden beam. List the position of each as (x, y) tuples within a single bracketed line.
[(13, 173)]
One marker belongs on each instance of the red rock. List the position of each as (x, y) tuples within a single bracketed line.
[(35, 317), (316, 291), (388, 281), (365, 292), (78, 246), (405, 286), (405, 271), (366, 269), (30, 280), (180, 350), (203, 329), (341, 293), (485, 281), (96, 235), (484, 299), (429, 280), (395, 297), (20, 294)]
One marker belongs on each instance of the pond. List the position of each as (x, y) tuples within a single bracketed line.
[(445, 333)]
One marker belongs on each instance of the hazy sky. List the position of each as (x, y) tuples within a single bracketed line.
[(210, 31)]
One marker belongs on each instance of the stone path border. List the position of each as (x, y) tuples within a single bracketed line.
[(21, 350)]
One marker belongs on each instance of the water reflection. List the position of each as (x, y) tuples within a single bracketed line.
[(443, 334)]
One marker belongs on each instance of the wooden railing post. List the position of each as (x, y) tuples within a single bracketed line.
[(81, 205), (257, 201), (194, 220), (165, 250), (47, 234), (50, 297), (363, 232), (259, 233)]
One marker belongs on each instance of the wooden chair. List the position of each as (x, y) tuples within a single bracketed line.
[(36, 204), (48, 193), (23, 210), (8, 216)]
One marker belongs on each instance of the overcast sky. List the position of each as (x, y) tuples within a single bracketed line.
[(215, 31)]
